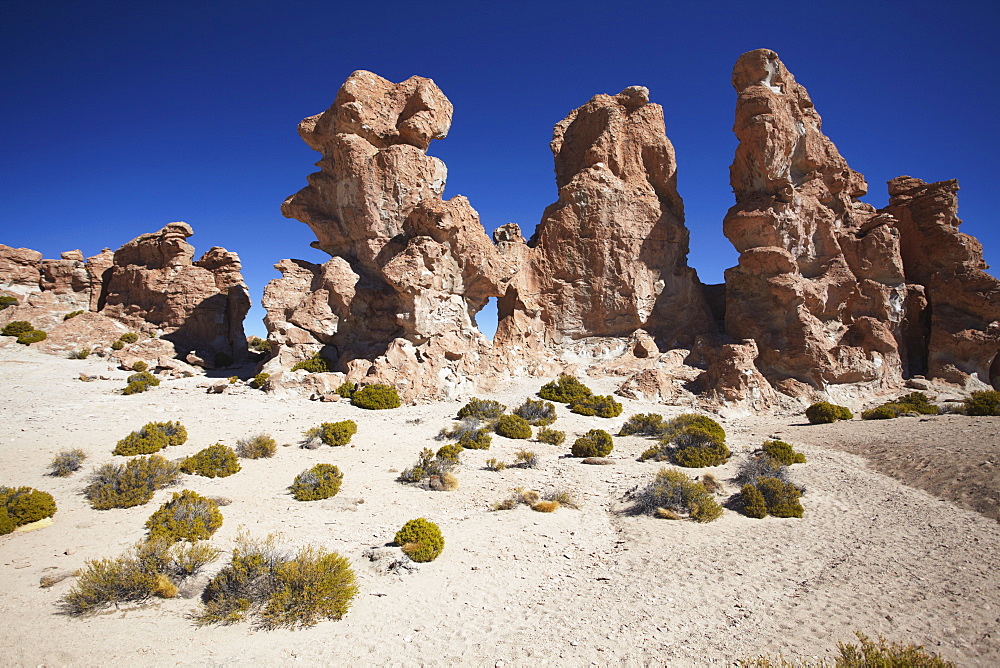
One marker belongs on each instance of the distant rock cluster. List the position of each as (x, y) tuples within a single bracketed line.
[(830, 297)]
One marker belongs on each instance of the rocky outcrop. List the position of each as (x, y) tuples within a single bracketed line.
[(954, 331), (820, 285), (409, 271), (155, 286), (609, 257)]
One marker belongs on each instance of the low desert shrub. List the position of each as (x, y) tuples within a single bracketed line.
[(919, 403), (259, 345), (67, 462), (130, 484), (512, 426), (781, 497), (493, 464), (642, 424), (914, 402), (24, 505), (711, 483), (550, 436), (676, 425), (421, 540), (870, 654), (757, 466), (346, 390), (545, 506), (983, 402), (140, 366), (320, 482), (265, 583), (376, 397), (153, 437), (433, 464), (215, 461), (6, 523), (332, 433), (7, 301), (118, 345), (81, 354), (563, 497), (129, 337), (752, 502), (34, 336), (565, 390), (823, 412), (481, 409), (526, 459), (187, 516), (675, 491), (315, 364), (258, 446), (72, 314), (538, 413), (479, 439), (258, 381), (783, 452), (233, 380), (595, 443), (886, 411), (603, 406), (17, 328), (140, 382), (694, 447), (134, 388)]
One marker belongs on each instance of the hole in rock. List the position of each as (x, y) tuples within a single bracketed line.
[(486, 319)]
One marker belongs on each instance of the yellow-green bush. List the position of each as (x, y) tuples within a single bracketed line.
[(694, 447), (6, 523), (17, 328), (595, 443), (781, 497), (526, 459), (983, 402), (914, 402), (215, 461), (118, 345), (187, 516), (153, 437), (259, 345), (259, 446), (7, 301), (315, 364), (34, 336), (263, 582), (565, 390), (783, 452), (550, 436), (643, 424), (346, 390), (130, 484), (538, 413), (258, 381), (421, 540), (678, 424), (140, 382), (752, 502), (26, 504), (481, 409), (67, 462), (338, 433), (469, 433), (433, 464), (72, 314), (129, 337), (675, 491), (603, 406), (376, 397), (823, 412), (139, 366), (512, 426), (320, 482), (81, 354)]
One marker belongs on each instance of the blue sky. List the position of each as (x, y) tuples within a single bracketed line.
[(118, 118)]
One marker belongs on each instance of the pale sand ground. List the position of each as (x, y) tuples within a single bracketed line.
[(569, 588)]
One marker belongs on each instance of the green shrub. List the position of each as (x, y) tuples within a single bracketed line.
[(129, 337), (603, 406), (148, 569), (81, 354), (140, 382), (538, 413), (320, 482), (494, 464), (823, 412), (983, 402), (674, 491), (67, 462), (17, 328), (117, 345), (139, 366), (513, 426), (565, 390), (783, 452), (469, 433), (526, 459), (914, 402), (187, 516), (26, 504), (33, 336), (752, 502), (315, 364), (376, 397), (135, 388), (643, 424), (757, 466), (223, 360), (883, 654), (433, 464), (781, 497), (6, 301), (330, 433), (887, 411), (678, 424), (259, 446), (259, 380), (71, 314), (130, 484), (263, 582), (551, 436), (595, 443), (233, 380), (153, 437), (215, 461), (421, 540), (697, 447), (259, 345), (481, 409), (346, 390), (6, 523)]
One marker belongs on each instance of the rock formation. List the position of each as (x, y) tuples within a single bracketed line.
[(956, 334), (609, 257), (409, 271), (820, 285)]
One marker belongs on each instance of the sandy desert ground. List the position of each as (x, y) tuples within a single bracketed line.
[(904, 543)]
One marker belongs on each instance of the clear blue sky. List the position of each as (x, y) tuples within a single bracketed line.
[(118, 118)]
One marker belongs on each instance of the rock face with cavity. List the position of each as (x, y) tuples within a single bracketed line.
[(820, 285), (155, 285), (956, 333), (409, 271), (610, 255)]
